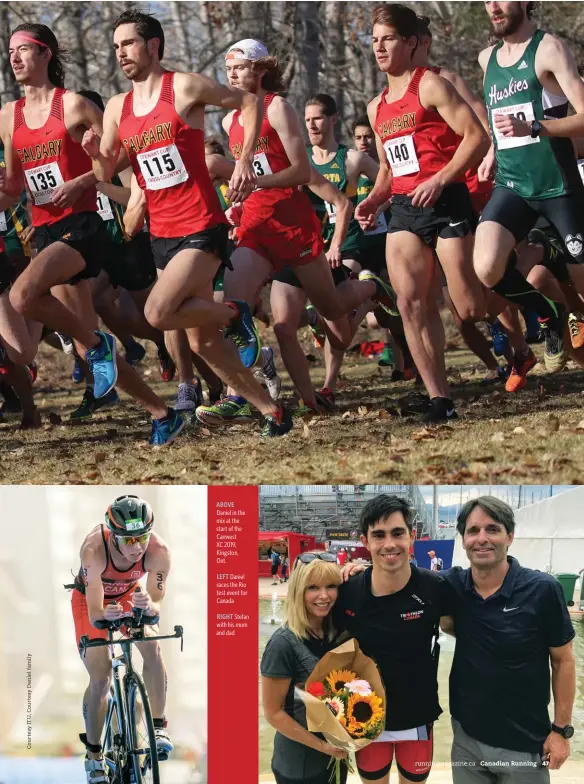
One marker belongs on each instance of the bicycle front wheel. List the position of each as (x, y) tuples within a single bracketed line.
[(114, 753), (142, 741)]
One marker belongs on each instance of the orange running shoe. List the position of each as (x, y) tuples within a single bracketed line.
[(576, 327), (519, 370)]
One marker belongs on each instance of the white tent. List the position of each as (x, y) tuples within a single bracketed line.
[(548, 534)]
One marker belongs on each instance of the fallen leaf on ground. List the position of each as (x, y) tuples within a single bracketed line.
[(498, 438)]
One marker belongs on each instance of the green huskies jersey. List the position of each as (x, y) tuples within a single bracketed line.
[(335, 171), (374, 239), (541, 168), (13, 221)]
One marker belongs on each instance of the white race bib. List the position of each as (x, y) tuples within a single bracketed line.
[(581, 168), (523, 112), (43, 181), (331, 211), (401, 154), (162, 168), (3, 225), (261, 165), (380, 226), (104, 207)]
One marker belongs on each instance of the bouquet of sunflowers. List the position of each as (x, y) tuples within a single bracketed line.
[(345, 701)]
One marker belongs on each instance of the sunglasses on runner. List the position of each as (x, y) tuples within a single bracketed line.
[(307, 558), (133, 539)]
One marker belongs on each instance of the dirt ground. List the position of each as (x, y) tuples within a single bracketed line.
[(535, 437)]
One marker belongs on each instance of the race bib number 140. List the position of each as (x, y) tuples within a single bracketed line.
[(401, 155), (162, 168)]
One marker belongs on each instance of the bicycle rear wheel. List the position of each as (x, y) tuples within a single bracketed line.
[(143, 754)]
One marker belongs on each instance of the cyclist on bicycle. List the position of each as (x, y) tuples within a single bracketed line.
[(114, 558)]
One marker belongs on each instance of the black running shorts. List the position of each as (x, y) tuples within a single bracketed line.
[(451, 217), (287, 275), (131, 264), (85, 232), (214, 240)]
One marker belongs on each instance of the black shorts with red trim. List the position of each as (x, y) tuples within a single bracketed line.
[(214, 240), (86, 233)]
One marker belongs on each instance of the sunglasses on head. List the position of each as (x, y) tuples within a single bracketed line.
[(307, 558), (133, 539)]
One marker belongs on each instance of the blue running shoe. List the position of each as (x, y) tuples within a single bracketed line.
[(135, 353), (102, 364), (166, 430), (243, 333), (78, 374), (499, 336)]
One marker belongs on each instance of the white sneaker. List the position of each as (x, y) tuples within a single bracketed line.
[(164, 745), (268, 374), (66, 342), (96, 771), (189, 397)]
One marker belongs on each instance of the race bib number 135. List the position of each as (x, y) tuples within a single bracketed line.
[(43, 181), (162, 168)]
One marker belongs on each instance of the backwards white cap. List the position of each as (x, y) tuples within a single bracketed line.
[(248, 49)]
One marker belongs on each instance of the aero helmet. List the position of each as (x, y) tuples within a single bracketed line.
[(129, 515)]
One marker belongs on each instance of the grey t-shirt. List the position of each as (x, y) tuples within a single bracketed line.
[(285, 656)]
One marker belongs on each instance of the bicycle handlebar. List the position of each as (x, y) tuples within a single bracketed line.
[(134, 621), (85, 642)]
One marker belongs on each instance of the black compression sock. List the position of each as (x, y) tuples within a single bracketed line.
[(517, 290)]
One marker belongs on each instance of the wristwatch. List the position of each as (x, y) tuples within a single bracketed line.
[(566, 732), (536, 129)]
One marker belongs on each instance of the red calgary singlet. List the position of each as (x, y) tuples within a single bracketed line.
[(288, 206), (417, 141), (168, 159), (50, 157), (117, 583), (480, 191)]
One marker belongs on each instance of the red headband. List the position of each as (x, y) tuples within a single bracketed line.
[(28, 38)]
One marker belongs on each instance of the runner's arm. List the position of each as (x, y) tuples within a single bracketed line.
[(157, 577), (447, 625), (220, 167), (364, 164), (135, 213), (563, 666), (556, 58), (343, 210), (92, 566), (440, 94), (463, 89), (366, 212), (12, 176), (284, 120), (118, 193), (105, 152)]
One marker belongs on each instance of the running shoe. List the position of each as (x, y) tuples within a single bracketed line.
[(230, 410), (268, 374), (102, 364), (386, 359), (385, 296), (89, 405), (532, 328), (555, 355), (278, 423), (189, 396), (520, 367), (167, 429), (166, 364), (305, 411), (576, 327), (325, 397), (164, 745), (66, 342), (499, 336), (315, 326), (244, 334), (441, 410), (33, 371), (78, 374), (135, 353)]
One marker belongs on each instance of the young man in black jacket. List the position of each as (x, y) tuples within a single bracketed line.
[(394, 610)]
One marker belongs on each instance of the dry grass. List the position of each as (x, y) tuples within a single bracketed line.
[(365, 441)]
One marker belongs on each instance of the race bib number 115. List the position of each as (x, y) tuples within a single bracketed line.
[(162, 168)]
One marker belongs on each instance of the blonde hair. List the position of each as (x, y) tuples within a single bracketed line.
[(317, 572)]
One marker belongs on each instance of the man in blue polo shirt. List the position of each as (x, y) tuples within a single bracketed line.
[(510, 624)]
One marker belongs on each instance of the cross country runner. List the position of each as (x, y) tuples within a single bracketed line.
[(115, 556), (42, 139), (418, 120), (160, 123), (530, 78), (277, 226)]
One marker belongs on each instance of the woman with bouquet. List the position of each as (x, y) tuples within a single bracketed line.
[(289, 658)]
